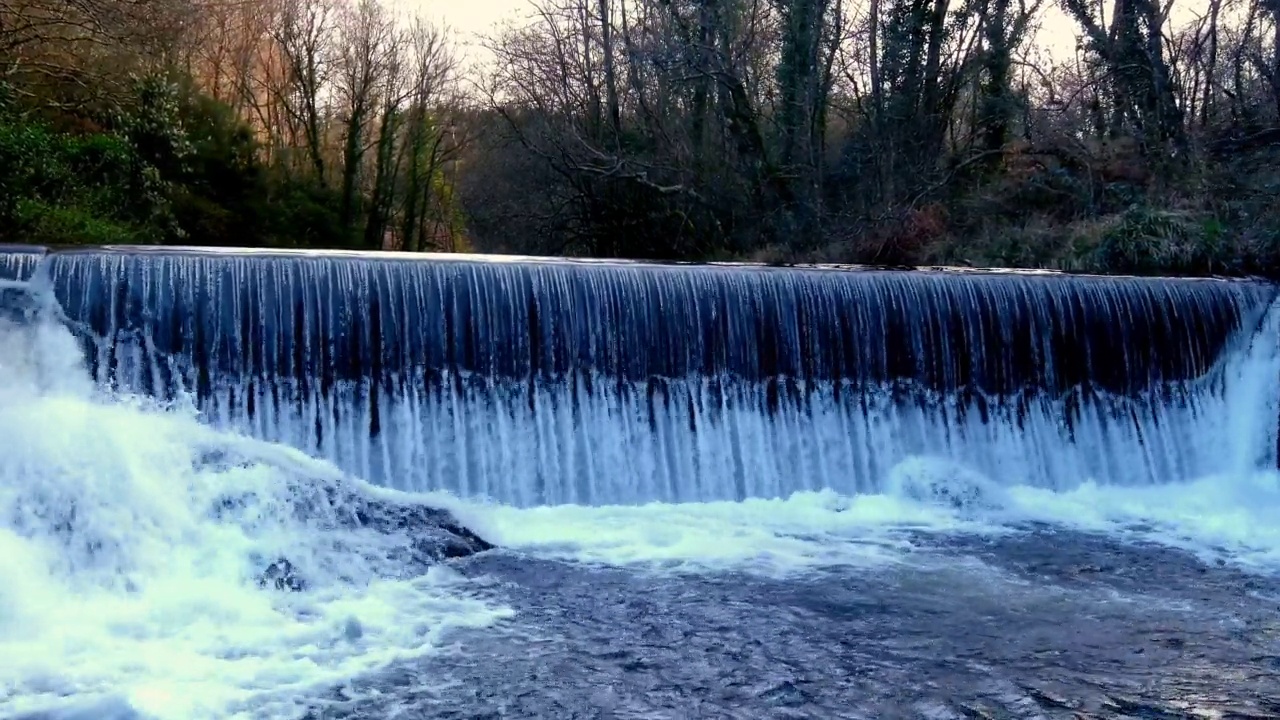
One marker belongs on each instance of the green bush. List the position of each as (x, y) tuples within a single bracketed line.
[(1149, 241), (46, 224), (57, 188)]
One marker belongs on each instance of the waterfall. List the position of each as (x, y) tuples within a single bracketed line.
[(18, 262), (549, 382)]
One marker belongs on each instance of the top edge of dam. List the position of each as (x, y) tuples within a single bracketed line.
[(657, 265)]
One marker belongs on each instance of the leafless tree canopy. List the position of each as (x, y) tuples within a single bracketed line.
[(887, 130), (881, 130)]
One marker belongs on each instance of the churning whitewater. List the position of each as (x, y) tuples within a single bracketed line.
[(174, 424), (133, 538)]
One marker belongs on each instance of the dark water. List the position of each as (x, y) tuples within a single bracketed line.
[(1043, 624)]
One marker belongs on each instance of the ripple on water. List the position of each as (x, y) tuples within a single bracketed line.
[(1032, 625)]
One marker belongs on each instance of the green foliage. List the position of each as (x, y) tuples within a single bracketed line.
[(304, 214), (153, 126), (46, 224), (64, 189), (171, 166), (153, 130), (211, 171), (1147, 241), (220, 193), (447, 216)]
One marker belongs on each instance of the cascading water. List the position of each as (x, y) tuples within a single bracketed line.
[(536, 383), (790, 419), (133, 541), (17, 262)]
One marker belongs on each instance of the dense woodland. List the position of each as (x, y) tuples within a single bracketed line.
[(884, 131)]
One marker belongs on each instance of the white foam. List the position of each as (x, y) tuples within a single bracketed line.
[(1228, 517), (121, 589), (774, 537), (1228, 513)]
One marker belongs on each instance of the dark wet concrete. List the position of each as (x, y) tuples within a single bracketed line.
[(1041, 625)]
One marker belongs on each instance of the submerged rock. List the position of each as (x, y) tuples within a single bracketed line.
[(282, 575), (417, 536), (944, 484), (352, 629), (434, 537), (438, 534)]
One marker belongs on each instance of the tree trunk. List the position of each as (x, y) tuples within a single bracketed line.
[(610, 73)]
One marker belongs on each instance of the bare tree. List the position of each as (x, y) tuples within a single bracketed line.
[(430, 137), (304, 36), (365, 47)]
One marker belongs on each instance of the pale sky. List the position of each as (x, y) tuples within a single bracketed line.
[(467, 17), (471, 17)]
